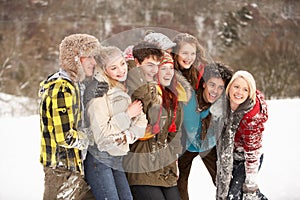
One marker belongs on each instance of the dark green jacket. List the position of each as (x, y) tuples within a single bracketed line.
[(153, 161)]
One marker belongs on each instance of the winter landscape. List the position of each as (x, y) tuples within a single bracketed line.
[(21, 174)]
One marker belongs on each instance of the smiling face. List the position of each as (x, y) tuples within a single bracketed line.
[(149, 67), (213, 89), (238, 92), (117, 68), (186, 55), (165, 74)]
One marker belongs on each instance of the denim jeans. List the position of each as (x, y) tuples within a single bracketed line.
[(106, 182)]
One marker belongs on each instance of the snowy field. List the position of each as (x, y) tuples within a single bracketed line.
[(21, 175)]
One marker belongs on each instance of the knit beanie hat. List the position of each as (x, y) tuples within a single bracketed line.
[(162, 40), (107, 55), (128, 53), (72, 48), (167, 58)]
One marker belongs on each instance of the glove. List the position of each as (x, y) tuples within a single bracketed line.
[(83, 140), (89, 134), (250, 191), (101, 89), (250, 196), (94, 89)]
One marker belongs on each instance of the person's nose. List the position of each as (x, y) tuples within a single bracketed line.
[(94, 62), (169, 71), (122, 69), (215, 89), (155, 69)]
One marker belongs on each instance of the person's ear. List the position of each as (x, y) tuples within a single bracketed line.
[(136, 62), (81, 59)]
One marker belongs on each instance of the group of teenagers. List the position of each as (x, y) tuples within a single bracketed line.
[(127, 124)]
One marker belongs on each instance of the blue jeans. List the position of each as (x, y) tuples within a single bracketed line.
[(106, 182)]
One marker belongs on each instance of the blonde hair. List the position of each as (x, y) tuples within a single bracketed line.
[(248, 78), (105, 56)]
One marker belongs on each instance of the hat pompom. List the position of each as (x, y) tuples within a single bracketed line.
[(172, 127)]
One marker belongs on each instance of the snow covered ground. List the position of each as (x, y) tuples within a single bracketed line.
[(21, 175)]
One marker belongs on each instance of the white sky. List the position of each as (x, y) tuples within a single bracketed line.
[(21, 175)]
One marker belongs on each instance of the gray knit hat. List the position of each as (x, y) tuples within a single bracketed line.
[(162, 40), (72, 48)]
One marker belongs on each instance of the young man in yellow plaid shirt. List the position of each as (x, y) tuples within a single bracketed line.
[(63, 139)]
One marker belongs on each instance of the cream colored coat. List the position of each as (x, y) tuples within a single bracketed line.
[(109, 120)]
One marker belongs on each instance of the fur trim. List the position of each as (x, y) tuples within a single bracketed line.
[(72, 48), (185, 84)]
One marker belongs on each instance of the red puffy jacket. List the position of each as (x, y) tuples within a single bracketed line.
[(248, 136)]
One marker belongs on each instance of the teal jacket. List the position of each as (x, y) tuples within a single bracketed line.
[(192, 127)]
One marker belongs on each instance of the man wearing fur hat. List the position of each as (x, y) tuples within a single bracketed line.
[(63, 140)]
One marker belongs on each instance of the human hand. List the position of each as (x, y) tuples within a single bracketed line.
[(134, 109), (250, 191), (83, 140), (250, 187), (89, 134), (120, 139), (94, 89), (155, 96), (250, 196)]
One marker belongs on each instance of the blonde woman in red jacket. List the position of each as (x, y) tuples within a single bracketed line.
[(239, 146)]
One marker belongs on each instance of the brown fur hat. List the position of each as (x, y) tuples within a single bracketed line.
[(72, 48)]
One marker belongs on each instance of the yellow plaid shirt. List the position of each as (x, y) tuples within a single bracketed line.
[(60, 117)]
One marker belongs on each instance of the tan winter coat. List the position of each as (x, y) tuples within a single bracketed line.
[(109, 120)]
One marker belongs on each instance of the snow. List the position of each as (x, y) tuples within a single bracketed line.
[(21, 174)]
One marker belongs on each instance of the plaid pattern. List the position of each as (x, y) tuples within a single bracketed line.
[(60, 117)]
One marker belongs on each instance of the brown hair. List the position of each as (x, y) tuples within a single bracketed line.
[(191, 74), (143, 50)]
